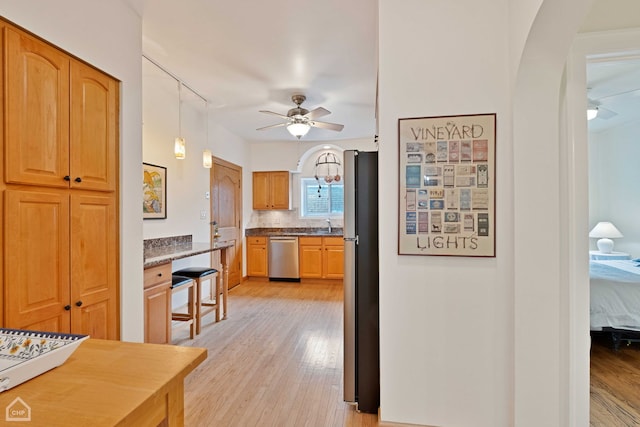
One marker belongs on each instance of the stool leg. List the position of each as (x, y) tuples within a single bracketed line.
[(198, 305), (225, 293), (216, 283), (192, 311)]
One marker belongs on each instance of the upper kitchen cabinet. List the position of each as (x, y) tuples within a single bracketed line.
[(271, 190), (63, 127)]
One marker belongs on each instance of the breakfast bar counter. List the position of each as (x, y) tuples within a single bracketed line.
[(156, 255), (159, 254), (108, 383)]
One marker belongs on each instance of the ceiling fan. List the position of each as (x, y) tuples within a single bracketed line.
[(299, 120), (595, 109)]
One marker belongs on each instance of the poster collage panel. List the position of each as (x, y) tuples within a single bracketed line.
[(447, 185)]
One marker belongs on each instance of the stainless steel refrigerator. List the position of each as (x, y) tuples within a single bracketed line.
[(361, 293)]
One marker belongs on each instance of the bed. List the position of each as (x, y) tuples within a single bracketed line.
[(615, 299)]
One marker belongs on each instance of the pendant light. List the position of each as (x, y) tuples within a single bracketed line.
[(180, 146)]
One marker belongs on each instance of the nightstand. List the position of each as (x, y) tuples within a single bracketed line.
[(597, 255)]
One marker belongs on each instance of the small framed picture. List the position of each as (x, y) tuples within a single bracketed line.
[(154, 191)]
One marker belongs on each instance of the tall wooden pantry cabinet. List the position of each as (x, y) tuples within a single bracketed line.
[(60, 192)]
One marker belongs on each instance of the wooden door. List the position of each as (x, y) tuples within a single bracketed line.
[(226, 210), (94, 296), (94, 110), (37, 100), (37, 260)]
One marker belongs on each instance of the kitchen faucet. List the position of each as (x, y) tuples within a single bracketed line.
[(329, 224)]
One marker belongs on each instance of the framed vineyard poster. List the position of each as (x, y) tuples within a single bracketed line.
[(447, 185)]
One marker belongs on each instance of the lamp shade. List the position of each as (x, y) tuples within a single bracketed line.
[(298, 129), (605, 231), (180, 148), (207, 160)]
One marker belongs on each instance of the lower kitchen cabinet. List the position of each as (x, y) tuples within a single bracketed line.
[(157, 304), (61, 262), (321, 257), (257, 264)]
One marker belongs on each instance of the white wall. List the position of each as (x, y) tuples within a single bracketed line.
[(446, 322), (169, 109), (108, 36), (613, 184)]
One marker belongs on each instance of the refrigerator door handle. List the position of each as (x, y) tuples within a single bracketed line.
[(351, 239)]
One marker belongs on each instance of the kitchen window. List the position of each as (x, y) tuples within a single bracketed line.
[(321, 199)]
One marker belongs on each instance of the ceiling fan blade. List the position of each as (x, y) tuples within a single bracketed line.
[(272, 126), (274, 114), (325, 125), (605, 113), (317, 113)]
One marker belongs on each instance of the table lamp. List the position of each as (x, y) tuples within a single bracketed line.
[(605, 231)]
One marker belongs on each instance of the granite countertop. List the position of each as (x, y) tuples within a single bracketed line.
[(297, 231), (156, 255)]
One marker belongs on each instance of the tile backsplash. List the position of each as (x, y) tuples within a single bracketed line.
[(288, 218)]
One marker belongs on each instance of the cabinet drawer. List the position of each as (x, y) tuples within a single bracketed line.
[(157, 274), (338, 241), (310, 240), (257, 240)]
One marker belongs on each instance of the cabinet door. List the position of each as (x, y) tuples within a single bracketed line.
[(37, 101), (334, 261), (257, 257), (261, 197), (279, 188), (310, 255), (157, 308), (94, 101), (37, 260), (94, 296)]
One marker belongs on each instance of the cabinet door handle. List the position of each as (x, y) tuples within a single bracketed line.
[(159, 274), (78, 179), (67, 307), (79, 303), (67, 178)]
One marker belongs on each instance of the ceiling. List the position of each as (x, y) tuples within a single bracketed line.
[(243, 56), (613, 83)]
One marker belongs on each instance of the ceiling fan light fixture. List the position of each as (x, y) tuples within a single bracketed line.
[(298, 129), (592, 113)]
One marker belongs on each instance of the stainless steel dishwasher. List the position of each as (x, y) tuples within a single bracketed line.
[(283, 258)]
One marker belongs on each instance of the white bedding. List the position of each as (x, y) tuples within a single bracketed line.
[(615, 294)]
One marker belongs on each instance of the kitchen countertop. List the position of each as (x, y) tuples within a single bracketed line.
[(297, 231), (163, 254)]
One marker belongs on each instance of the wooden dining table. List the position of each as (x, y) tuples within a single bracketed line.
[(107, 383)]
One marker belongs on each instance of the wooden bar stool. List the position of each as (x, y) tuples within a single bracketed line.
[(179, 283), (200, 274)]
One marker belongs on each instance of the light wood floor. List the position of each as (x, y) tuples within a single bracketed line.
[(276, 360), (615, 384)]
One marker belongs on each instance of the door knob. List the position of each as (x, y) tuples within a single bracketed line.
[(78, 179), (78, 303), (67, 178), (67, 307)]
